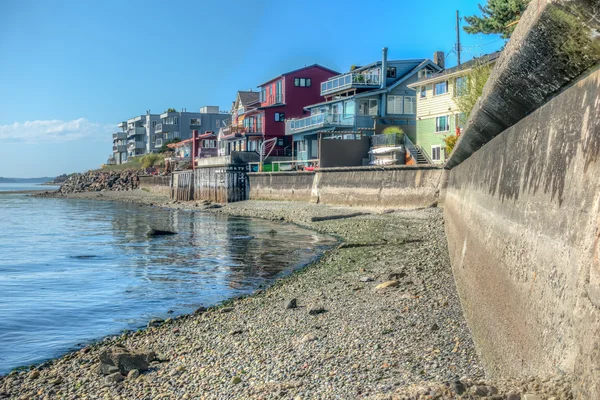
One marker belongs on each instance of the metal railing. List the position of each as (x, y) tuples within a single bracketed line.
[(158, 128), (387, 140), (414, 151), (317, 121), (119, 135), (274, 99), (349, 80)]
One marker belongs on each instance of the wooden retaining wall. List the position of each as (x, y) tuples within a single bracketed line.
[(219, 183)]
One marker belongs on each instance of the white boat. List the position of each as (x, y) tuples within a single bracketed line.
[(385, 150)]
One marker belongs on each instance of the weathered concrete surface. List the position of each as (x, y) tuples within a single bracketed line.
[(523, 226), (395, 186), (156, 184), (281, 185), (555, 42)]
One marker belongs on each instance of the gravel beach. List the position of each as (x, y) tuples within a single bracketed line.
[(377, 317)]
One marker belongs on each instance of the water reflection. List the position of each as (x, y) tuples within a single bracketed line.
[(91, 270)]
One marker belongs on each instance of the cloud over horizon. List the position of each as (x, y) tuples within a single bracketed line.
[(52, 131)]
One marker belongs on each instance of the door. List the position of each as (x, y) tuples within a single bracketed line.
[(314, 149)]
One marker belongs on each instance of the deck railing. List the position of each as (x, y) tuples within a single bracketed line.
[(317, 121), (349, 80)]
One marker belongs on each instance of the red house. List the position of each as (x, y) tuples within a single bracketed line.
[(282, 97)]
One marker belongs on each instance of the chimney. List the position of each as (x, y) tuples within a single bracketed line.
[(440, 59), (384, 67)]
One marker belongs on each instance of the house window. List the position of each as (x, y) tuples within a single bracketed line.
[(391, 72), (460, 86), (195, 121), (263, 95), (175, 134), (154, 124), (440, 88), (410, 105), (278, 92), (368, 107), (280, 142), (302, 146), (442, 124), (436, 153), (279, 117), (424, 92), (349, 109), (158, 143), (394, 105), (302, 82), (259, 124)]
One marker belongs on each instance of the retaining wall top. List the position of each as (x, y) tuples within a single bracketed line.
[(555, 42)]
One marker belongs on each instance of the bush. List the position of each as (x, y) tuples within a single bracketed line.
[(450, 141), (151, 160)]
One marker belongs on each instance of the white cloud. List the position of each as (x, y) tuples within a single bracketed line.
[(52, 131)]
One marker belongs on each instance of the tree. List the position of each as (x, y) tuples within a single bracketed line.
[(171, 110), (449, 142), (164, 148), (498, 17), (472, 89)]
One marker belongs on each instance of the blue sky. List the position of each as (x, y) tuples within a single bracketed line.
[(70, 70)]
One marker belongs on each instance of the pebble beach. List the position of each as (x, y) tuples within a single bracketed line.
[(377, 317)]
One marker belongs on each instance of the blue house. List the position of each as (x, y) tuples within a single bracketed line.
[(359, 101)]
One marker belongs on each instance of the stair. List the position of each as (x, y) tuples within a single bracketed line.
[(421, 159)]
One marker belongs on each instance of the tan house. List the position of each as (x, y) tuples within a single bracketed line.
[(437, 112)]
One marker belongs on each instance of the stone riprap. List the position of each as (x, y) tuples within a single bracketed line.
[(95, 181)]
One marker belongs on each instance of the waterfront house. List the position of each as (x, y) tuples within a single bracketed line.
[(357, 104), (281, 97), (198, 146), (438, 114), (235, 136), (181, 124), (139, 131)]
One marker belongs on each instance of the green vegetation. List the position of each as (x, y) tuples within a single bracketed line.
[(164, 148), (450, 141), (132, 163), (152, 160), (475, 81), (395, 130), (499, 17), (171, 110)]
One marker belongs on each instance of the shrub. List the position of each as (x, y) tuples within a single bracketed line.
[(150, 160), (450, 141)]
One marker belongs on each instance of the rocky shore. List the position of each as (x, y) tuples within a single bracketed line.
[(377, 317), (96, 181)]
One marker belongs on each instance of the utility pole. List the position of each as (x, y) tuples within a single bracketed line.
[(458, 37)]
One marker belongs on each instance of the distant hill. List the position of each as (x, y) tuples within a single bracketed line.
[(25, 180)]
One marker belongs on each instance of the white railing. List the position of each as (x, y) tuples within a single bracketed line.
[(317, 121), (349, 80)]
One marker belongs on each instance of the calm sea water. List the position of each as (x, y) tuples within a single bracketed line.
[(74, 271), (5, 187)]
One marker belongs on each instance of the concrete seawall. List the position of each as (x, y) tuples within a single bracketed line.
[(400, 186), (156, 184), (522, 210)]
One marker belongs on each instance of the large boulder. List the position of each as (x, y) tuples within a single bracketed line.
[(124, 360)]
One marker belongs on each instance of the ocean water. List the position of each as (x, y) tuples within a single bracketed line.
[(6, 187), (75, 271)]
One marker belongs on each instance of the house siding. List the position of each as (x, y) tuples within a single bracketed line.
[(436, 105), (426, 135)]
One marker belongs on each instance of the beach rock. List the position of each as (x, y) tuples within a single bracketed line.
[(97, 181), (235, 380), (293, 303), (394, 276), (114, 378), (225, 310), (387, 284), (34, 374), (200, 310), (133, 374), (316, 309), (124, 360), (366, 279), (155, 322), (308, 338), (160, 232)]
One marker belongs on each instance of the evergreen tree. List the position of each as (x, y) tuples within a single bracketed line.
[(498, 17)]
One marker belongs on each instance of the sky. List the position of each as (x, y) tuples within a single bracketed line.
[(71, 70)]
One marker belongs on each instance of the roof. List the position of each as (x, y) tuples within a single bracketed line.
[(248, 97), (298, 70), (485, 59)]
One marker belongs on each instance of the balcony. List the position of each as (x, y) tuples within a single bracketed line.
[(121, 148), (137, 130), (163, 128), (119, 136), (323, 120), (273, 99), (136, 145), (348, 81)]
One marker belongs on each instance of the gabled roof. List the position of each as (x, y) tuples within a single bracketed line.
[(247, 97), (485, 59), (298, 70)]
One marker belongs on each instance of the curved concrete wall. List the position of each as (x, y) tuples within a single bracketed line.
[(523, 226), (399, 186)]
